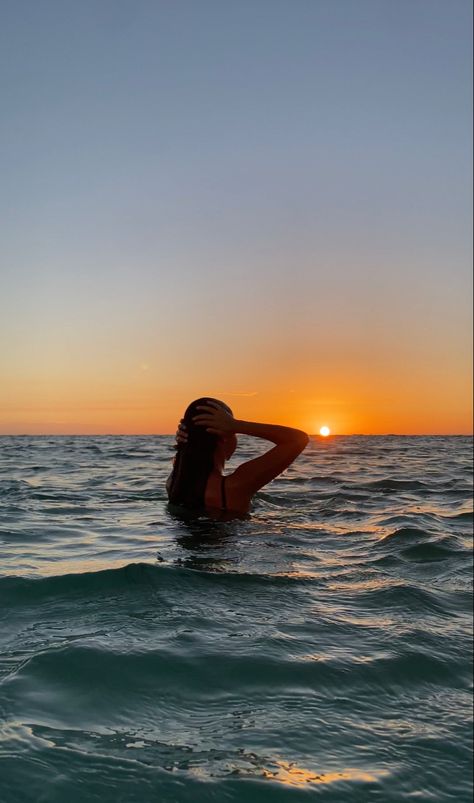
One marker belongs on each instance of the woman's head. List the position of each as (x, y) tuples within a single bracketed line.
[(224, 445), (192, 410), (196, 458)]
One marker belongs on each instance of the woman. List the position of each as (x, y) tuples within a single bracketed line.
[(206, 438)]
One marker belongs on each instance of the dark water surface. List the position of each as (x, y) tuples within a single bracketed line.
[(321, 649)]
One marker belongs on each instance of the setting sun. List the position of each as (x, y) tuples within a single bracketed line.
[(324, 431)]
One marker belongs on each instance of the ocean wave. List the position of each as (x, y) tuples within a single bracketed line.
[(133, 576), (408, 597), (464, 516), (405, 534), (389, 485), (79, 669), (412, 543), (439, 549)]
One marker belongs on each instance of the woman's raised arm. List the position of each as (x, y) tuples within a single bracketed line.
[(256, 473)]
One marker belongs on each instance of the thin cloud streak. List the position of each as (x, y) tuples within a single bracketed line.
[(228, 393)]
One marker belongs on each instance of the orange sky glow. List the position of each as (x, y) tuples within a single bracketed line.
[(137, 401)]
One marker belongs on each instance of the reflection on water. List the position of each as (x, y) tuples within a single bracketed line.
[(290, 774)]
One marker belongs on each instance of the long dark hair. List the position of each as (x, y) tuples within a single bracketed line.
[(194, 461)]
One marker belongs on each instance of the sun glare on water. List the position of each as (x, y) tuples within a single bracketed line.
[(324, 431)]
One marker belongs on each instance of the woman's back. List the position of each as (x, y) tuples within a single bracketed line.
[(223, 494)]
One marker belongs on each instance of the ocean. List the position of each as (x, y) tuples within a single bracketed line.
[(321, 648)]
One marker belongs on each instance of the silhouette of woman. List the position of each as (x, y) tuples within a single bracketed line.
[(205, 439)]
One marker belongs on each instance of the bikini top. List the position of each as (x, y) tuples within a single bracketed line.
[(224, 501)]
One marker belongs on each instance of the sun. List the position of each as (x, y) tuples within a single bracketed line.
[(324, 431)]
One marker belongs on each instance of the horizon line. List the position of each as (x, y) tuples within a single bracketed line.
[(171, 434)]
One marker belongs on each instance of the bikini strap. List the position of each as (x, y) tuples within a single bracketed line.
[(224, 501)]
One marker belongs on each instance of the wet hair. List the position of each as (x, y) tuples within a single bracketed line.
[(194, 461)]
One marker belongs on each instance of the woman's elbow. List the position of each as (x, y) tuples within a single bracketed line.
[(301, 439)]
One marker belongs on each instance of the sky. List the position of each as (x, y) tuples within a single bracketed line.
[(263, 201)]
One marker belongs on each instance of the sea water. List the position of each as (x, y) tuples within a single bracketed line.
[(319, 649)]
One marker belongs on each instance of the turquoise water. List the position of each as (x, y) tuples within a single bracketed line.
[(320, 649)]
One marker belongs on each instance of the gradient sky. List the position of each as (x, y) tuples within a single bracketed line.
[(267, 201)]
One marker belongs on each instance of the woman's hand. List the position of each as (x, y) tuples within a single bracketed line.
[(181, 433), (216, 420)]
